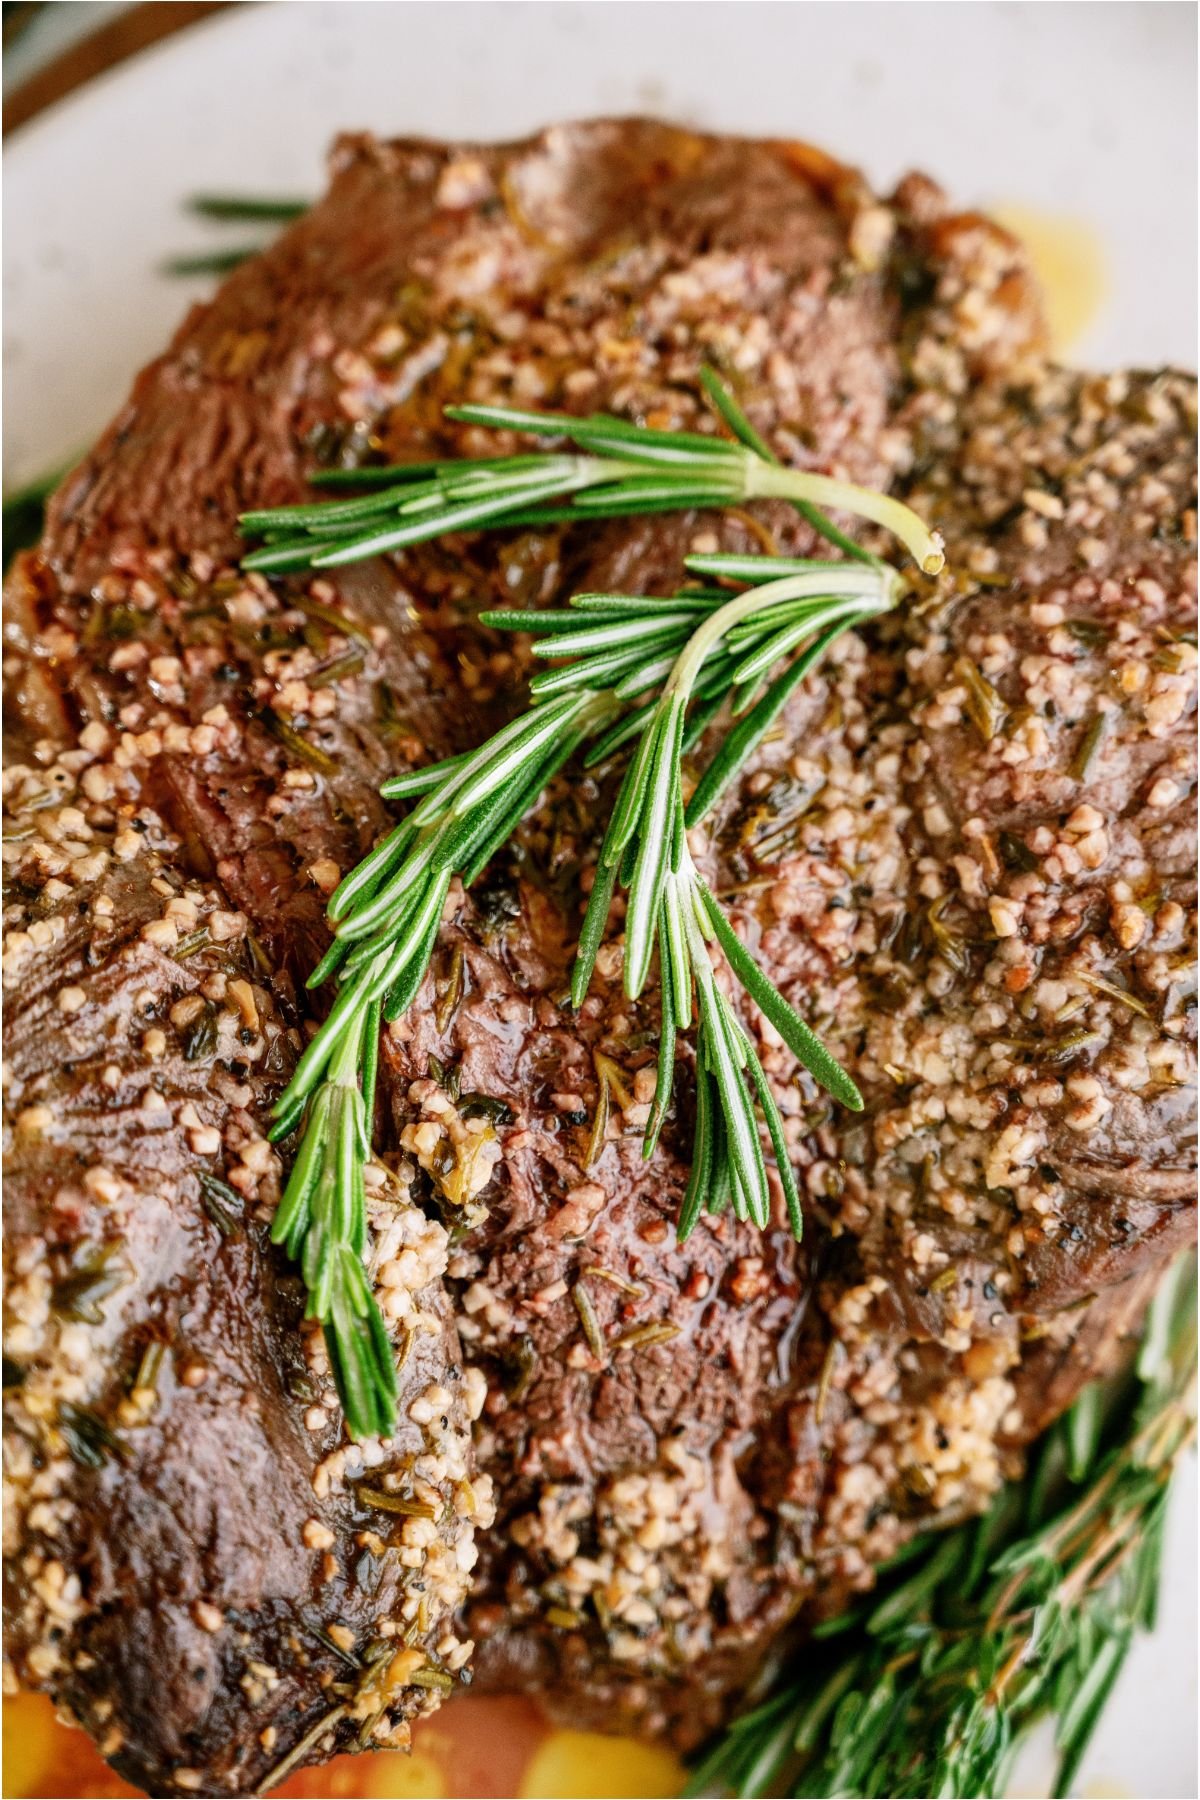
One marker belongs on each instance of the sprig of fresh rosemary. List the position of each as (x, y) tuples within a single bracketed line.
[(624, 470), (636, 673), (645, 850), (974, 1635)]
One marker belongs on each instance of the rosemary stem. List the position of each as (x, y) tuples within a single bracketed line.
[(854, 581), (772, 480)]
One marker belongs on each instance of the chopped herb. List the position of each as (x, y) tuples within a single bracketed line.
[(337, 621), (1114, 992), (828, 1365), (395, 1503), (641, 1335), (1088, 744), (347, 1656), (1069, 1044), (449, 1080), (89, 1440), (452, 993), (1172, 659), (473, 1105), (599, 1129), (294, 741), (601, 1274), (950, 945), (523, 1360), (1016, 854), (985, 708), (1090, 632), (435, 1679), (188, 946), (149, 1368), (223, 1206), (79, 1294), (589, 1321), (199, 1035), (352, 663)]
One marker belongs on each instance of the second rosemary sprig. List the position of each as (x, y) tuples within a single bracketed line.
[(645, 850), (975, 1634)]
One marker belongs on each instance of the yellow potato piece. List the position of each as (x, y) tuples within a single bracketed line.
[(582, 1765)]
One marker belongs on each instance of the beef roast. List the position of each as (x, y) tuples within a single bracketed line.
[(977, 892)]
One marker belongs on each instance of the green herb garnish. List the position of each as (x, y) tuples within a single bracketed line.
[(974, 1635), (623, 470), (632, 673)]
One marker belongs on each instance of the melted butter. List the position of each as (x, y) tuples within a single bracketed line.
[(1069, 263)]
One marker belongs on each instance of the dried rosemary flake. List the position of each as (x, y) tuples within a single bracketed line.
[(599, 1121), (1088, 745), (89, 1440), (293, 740), (1114, 993), (1173, 659), (346, 1656), (949, 944), (435, 1679), (474, 1105), (79, 1294), (1089, 632), (610, 1072), (641, 1335), (589, 1321), (188, 946), (1015, 852), (222, 1205), (451, 995), (945, 1280), (340, 669), (1061, 1049), (337, 621), (524, 1360), (985, 709), (617, 1281), (199, 1035), (395, 1503)]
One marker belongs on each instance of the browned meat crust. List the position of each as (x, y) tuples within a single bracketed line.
[(998, 941), (665, 1506)]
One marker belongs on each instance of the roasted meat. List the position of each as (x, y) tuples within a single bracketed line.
[(965, 857)]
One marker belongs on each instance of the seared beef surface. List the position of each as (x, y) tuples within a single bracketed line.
[(965, 857)]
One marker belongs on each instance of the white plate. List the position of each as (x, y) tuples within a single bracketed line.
[(1076, 112)]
